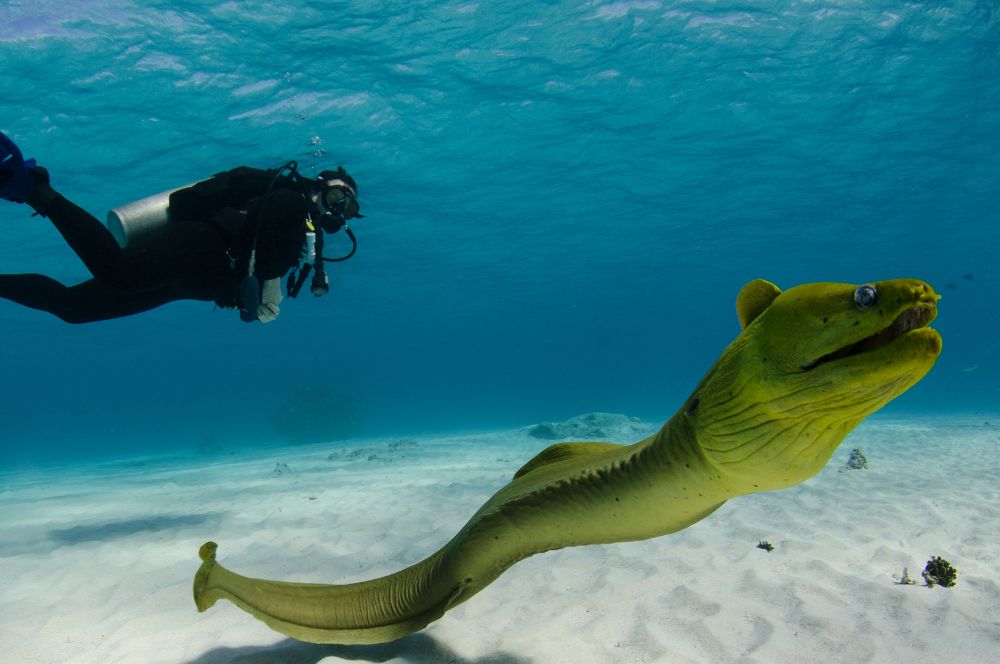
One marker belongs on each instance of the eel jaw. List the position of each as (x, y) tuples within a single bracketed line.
[(917, 316)]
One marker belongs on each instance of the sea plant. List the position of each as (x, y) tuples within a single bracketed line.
[(939, 572)]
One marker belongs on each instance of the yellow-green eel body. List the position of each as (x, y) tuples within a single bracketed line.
[(808, 366)]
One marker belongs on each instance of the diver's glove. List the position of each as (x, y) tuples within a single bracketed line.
[(270, 298), (267, 312), (16, 181)]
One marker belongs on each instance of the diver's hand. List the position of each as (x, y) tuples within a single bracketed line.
[(267, 312), (270, 298)]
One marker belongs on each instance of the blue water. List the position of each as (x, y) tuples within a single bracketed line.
[(563, 199)]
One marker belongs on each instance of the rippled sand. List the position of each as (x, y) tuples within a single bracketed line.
[(98, 560)]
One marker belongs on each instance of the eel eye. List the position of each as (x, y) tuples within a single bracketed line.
[(865, 296)]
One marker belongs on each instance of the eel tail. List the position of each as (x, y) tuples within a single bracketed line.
[(376, 611)]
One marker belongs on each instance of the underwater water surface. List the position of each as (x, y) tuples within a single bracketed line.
[(562, 199)]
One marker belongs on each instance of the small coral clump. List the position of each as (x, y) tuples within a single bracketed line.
[(939, 572), (857, 460), (905, 579), (764, 544)]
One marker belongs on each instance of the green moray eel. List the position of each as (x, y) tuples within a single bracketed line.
[(808, 366)]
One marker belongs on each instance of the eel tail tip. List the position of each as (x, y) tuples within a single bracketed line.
[(207, 555)]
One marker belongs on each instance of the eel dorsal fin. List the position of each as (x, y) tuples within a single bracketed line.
[(562, 452), (753, 299)]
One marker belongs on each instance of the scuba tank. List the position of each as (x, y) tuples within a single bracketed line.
[(134, 220), (198, 200)]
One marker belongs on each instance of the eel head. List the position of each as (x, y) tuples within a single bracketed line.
[(810, 364)]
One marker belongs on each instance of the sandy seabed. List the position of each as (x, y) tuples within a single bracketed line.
[(97, 560)]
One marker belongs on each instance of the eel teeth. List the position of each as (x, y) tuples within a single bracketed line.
[(915, 317)]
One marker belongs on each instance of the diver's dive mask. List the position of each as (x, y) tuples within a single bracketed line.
[(337, 203)]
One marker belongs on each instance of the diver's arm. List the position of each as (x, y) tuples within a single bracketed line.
[(270, 298)]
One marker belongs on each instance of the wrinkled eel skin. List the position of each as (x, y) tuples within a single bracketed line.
[(808, 366)]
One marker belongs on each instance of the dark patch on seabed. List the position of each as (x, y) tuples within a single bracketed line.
[(415, 649), (111, 530), (35, 543)]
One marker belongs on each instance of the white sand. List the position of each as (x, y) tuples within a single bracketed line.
[(97, 562)]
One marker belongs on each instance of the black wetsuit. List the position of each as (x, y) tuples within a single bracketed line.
[(200, 254)]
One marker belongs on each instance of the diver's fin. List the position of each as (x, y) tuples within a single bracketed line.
[(16, 181), (563, 451)]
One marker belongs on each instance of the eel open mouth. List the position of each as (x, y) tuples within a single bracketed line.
[(915, 317)]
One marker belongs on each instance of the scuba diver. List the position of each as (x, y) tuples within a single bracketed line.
[(228, 239)]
